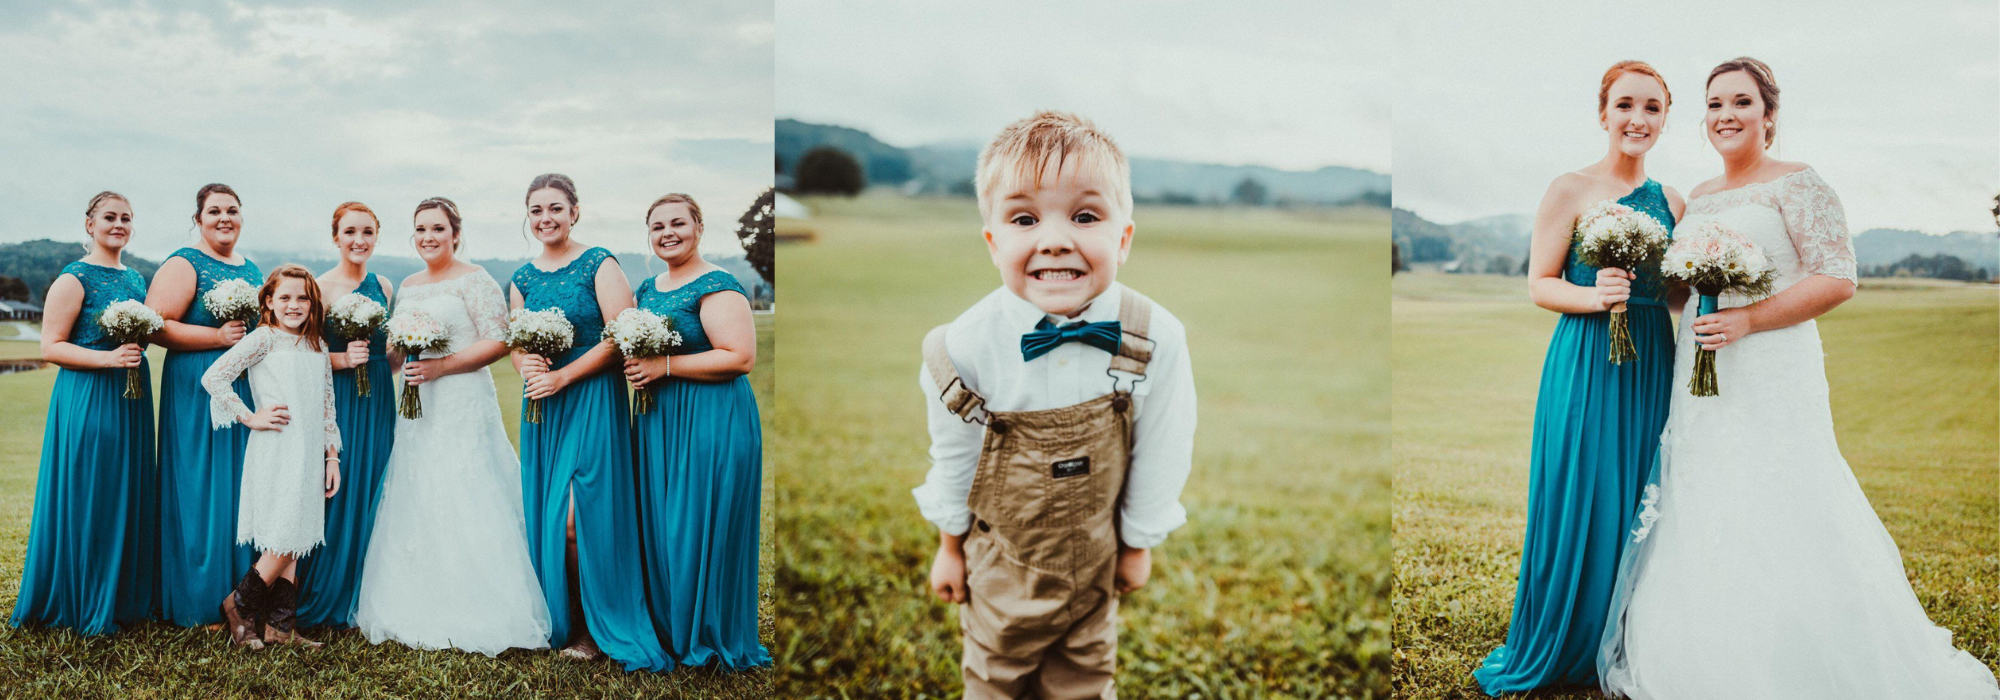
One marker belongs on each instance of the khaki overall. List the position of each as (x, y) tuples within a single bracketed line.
[(1043, 548)]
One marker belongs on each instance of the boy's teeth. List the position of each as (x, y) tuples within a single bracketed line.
[(1056, 275)]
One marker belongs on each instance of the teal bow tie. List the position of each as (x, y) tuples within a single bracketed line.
[(1047, 336)]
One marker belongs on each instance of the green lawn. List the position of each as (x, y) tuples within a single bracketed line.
[(161, 661), (1277, 586), (1913, 373)]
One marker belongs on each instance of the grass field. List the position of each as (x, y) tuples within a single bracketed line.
[(161, 661), (1277, 586), (1913, 374)]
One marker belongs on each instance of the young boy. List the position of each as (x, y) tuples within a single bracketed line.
[(1062, 416)]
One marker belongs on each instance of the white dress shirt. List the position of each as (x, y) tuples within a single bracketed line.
[(985, 347)]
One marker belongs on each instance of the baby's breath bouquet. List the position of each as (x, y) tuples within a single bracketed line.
[(414, 333), (1614, 235), (129, 321), (547, 333), (1714, 259), (639, 333), (356, 317), (232, 300)]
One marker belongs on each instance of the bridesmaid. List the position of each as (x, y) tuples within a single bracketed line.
[(700, 450), (576, 464), (200, 469), (93, 554), (331, 576), (1597, 425)]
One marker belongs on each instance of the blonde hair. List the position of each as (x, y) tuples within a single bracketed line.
[(1023, 150)]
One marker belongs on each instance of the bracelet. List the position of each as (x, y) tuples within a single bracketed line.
[(667, 361)]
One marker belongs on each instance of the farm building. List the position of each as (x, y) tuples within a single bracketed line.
[(19, 311)]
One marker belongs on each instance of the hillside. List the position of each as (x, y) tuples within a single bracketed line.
[(38, 263), (948, 169), (1479, 242)]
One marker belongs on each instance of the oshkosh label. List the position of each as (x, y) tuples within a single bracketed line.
[(1072, 467)]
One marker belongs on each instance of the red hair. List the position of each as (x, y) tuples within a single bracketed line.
[(1621, 68), (348, 207)]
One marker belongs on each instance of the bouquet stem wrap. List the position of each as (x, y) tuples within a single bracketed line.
[(410, 405), (133, 382), (1622, 350), (1703, 382)]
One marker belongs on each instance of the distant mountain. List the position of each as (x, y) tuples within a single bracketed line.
[(881, 162), (637, 267), (38, 262), (1492, 244), (1474, 243), (1883, 246), (948, 169)]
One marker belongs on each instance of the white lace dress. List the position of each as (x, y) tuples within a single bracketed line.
[(1767, 574), (282, 505), (448, 564)]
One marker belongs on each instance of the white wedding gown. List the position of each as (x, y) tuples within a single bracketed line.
[(448, 565), (1766, 574)]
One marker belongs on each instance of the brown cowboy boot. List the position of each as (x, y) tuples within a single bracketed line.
[(283, 615), (243, 611)]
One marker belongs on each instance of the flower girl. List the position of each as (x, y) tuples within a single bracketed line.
[(282, 508)]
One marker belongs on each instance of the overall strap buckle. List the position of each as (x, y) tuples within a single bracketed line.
[(958, 398), (1135, 344)]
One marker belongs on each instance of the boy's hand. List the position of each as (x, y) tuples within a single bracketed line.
[(948, 570), (1135, 566)]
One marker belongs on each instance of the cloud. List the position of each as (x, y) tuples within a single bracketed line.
[(1291, 84), (1892, 103), (303, 107)]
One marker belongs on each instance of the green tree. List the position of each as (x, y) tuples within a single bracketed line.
[(1250, 192), (828, 170), (13, 289), (757, 230)]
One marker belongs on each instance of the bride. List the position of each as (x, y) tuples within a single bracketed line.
[(448, 565), (1759, 570)]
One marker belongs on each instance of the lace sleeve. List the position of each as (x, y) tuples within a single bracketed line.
[(1818, 226), (224, 406), (332, 427), (487, 306)]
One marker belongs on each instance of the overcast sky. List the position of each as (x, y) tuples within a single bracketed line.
[(1294, 85), (1896, 104), (304, 106)]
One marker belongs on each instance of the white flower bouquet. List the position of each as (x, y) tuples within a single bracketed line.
[(638, 333), (130, 321), (1610, 234), (356, 317), (232, 300), (414, 333), (1714, 259), (547, 333)]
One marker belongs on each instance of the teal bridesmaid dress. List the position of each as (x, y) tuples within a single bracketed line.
[(1597, 432), (701, 474), (583, 449), (200, 469), (330, 577), (93, 554)]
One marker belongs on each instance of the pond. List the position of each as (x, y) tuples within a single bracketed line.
[(12, 366)]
